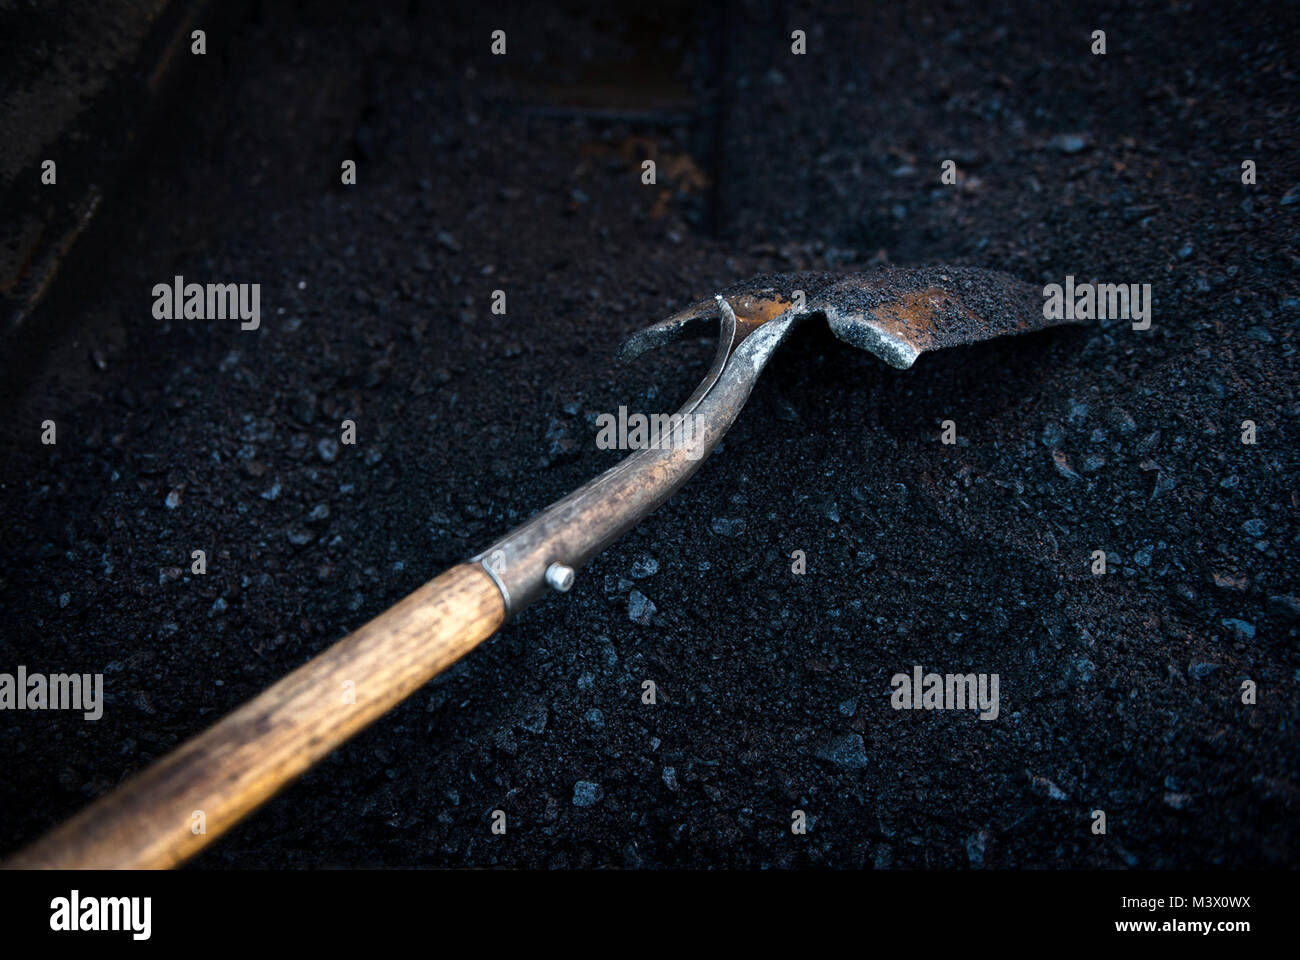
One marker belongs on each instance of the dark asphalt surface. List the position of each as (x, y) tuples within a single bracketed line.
[(1119, 693)]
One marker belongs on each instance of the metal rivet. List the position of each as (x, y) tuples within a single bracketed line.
[(559, 577)]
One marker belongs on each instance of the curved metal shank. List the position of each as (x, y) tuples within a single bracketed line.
[(574, 530)]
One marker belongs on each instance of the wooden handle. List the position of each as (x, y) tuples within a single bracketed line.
[(224, 773)]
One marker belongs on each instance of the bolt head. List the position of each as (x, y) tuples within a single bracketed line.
[(559, 577)]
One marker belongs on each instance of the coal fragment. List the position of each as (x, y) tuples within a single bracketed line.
[(586, 793), (846, 751), (640, 609)]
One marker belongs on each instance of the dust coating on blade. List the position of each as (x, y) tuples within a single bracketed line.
[(897, 313)]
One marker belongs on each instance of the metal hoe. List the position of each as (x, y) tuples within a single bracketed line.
[(225, 772)]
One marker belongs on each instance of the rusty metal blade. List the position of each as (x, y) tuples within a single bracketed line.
[(897, 313)]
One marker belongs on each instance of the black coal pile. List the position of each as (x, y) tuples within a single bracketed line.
[(1119, 692)]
